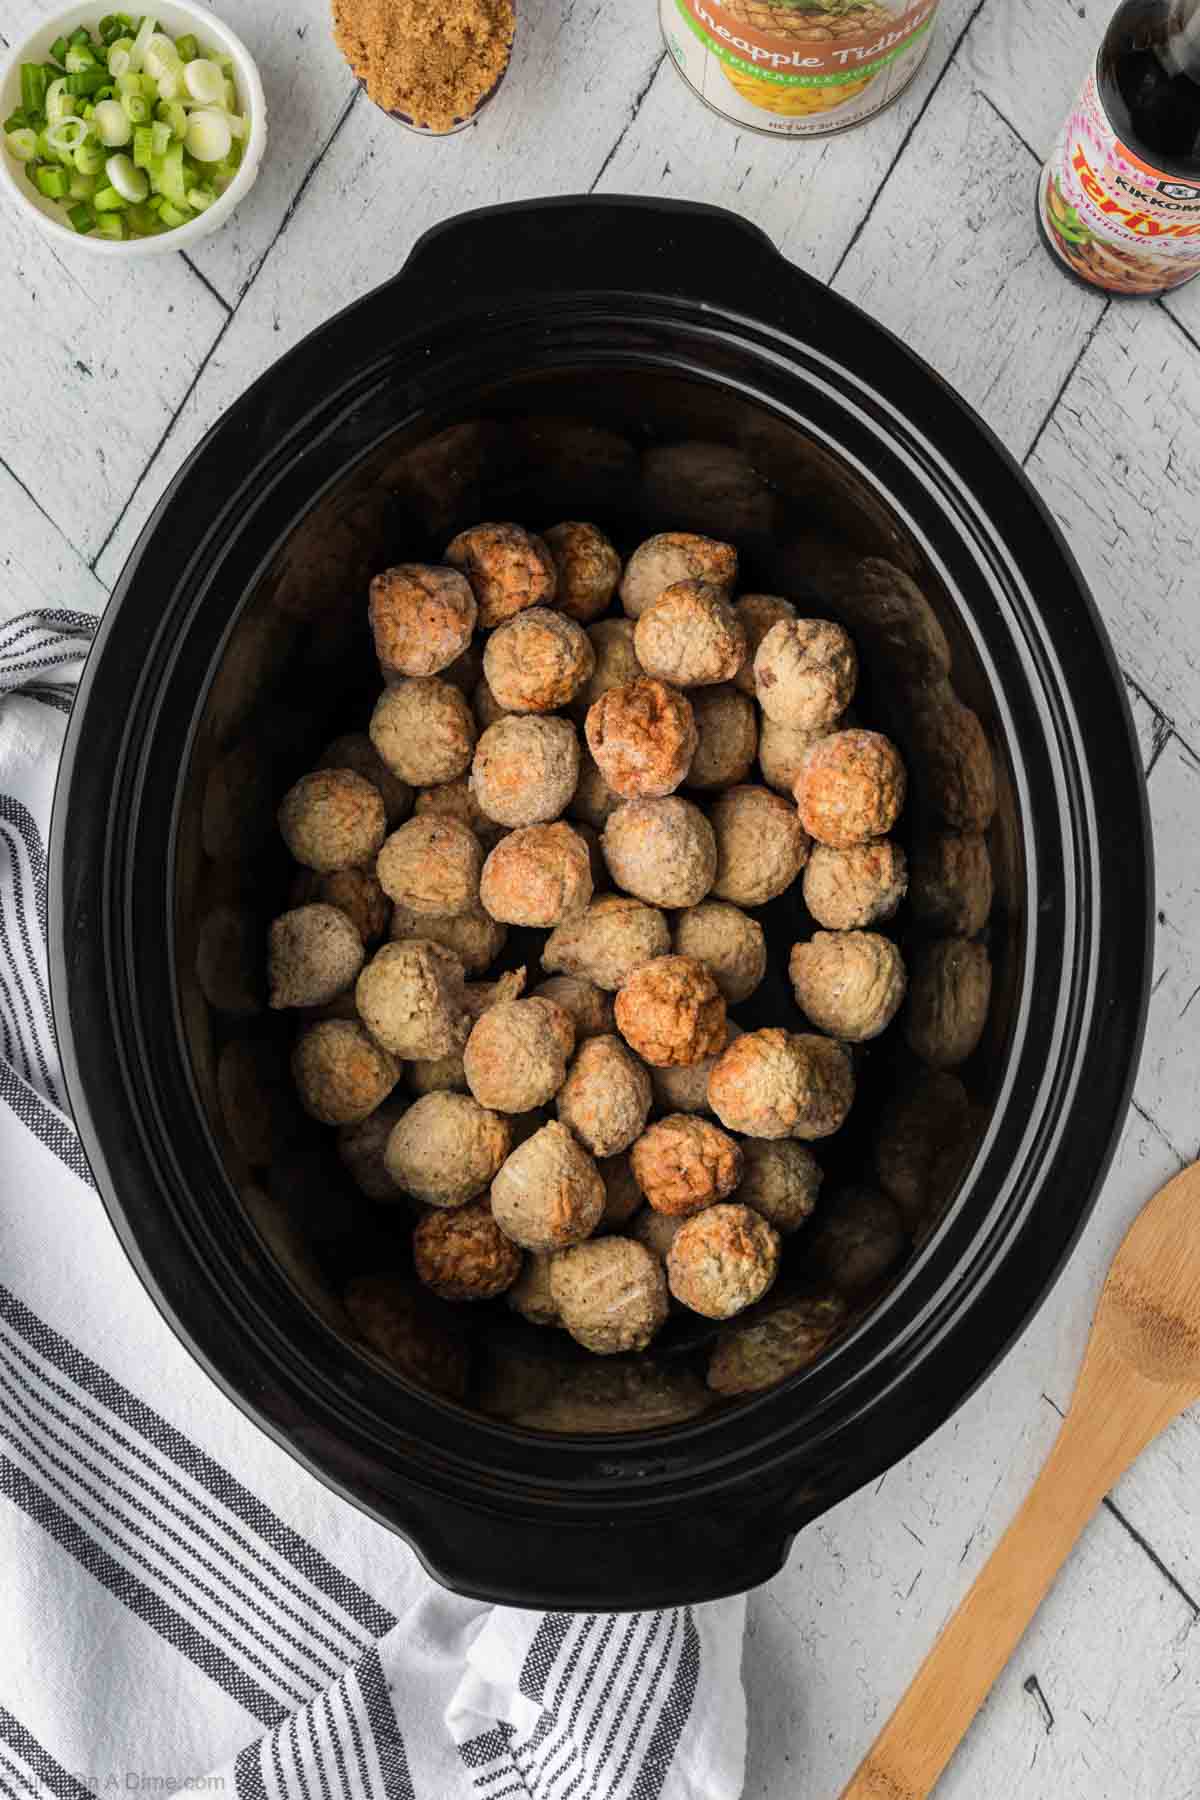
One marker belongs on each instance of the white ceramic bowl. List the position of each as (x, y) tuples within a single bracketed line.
[(172, 17)]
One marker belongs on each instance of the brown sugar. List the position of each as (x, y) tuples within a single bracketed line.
[(430, 61)]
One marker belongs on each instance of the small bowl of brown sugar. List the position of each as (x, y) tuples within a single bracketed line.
[(432, 65)]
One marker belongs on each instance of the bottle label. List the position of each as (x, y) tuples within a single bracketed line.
[(1113, 219), (798, 67)]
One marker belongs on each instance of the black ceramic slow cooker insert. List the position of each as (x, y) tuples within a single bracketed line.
[(535, 363)]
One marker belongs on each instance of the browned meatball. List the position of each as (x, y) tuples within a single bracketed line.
[(956, 775), (805, 673), (341, 1074), (593, 800), (424, 731), (473, 936), (608, 942), (622, 1195), (530, 1293), (447, 1149), (847, 890), (761, 845), (851, 788), (399, 1321), (485, 706), (727, 738), (508, 568), (549, 1194), (858, 1240), (437, 1074), (525, 769), (849, 983), (757, 613), (611, 1294), (605, 1099), (616, 662), (948, 1001), (643, 738), (356, 752), (410, 997), (516, 1056), (778, 1084), (768, 1347), (951, 883), (432, 865), (537, 661), (670, 557), (722, 1261), (690, 636), (454, 800), (729, 943), (333, 819), (591, 1009), (662, 851), (679, 1090), (781, 1179), (480, 996), (656, 1230), (362, 1150), (782, 750), (313, 953), (421, 618), (538, 876), (588, 569), (463, 1254), (671, 1011), (891, 614), (355, 892), (683, 1164)]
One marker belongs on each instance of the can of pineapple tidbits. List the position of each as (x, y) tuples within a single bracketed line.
[(798, 68)]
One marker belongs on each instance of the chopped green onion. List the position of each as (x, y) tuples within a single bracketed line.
[(33, 87), (130, 183), (175, 215), (209, 137), (231, 99), (110, 225), (80, 35), (112, 126), (187, 47), (200, 198), (129, 83), (59, 48), (176, 118), (59, 103), (67, 134), (78, 58), (16, 120), (136, 110), (223, 62), (82, 217), (161, 135), (22, 143), (52, 183), (82, 187), (118, 62), (156, 203), (87, 83), (109, 200), (89, 159), (171, 183), (137, 54), (237, 124), (204, 81), (143, 146)]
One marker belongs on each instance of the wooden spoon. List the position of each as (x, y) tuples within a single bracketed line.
[(1141, 1370)]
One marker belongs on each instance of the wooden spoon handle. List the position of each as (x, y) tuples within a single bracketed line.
[(922, 1734)]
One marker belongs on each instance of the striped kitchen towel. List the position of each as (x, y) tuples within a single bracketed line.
[(182, 1605)]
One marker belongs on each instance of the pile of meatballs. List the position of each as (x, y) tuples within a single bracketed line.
[(597, 1139)]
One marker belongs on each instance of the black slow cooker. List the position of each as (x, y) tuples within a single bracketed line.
[(540, 362)]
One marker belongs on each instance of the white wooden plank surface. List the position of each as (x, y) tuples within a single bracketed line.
[(925, 219)]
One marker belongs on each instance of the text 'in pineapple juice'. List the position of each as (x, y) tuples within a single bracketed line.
[(798, 68)]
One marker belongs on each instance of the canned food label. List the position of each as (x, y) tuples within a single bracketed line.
[(798, 67), (1113, 219)]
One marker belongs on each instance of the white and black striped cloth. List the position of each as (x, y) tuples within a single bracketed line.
[(181, 1605)]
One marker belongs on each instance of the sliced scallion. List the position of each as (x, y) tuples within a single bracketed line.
[(208, 136), (59, 48), (204, 81), (22, 143), (109, 200), (52, 183), (89, 159), (110, 225), (187, 47), (137, 53), (78, 58), (132, 184), (67, 134), (81, 216), (112, 126), (175, 215)]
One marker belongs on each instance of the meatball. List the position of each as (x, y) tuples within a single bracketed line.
[(605, 1098), (690, 636), (622, 1195), (549, 1194), (956, 773), (757, 613), (466, 670), (357, 753), (530, 1293), (525, 770), (424, 731), (889, 611), (258, 1102), (729, 943), (951, 883), (354, 892), (920, 1125), (537, 661), (539, 875), (679, 1090), (722, 1261), (454, 800), (432, 865), (229, 961), (781, 1179), (481, 996), (588, 569), (805, 673), (590, 1008), (683, 1164), (399, 1321), (341, 1074), (611, 1294), (675, 556), (761, 845), (462, 1254), (410, 998), (782, 750), (516, 1056), (313, 953), (671, 1011), (421, 618), (857, 1241), (485, 706), (362, 1150), (508, 569), (473, 936), (608, 942), (656, 1230), (773, 1345), (447, 1149), (948, 1001), (437, 1074), (849, 983), (780, 1084), (643, 738), (662, 851), (593, 801), (847, 890), (727, 738), (850, 788), (333, 819), (616, 662)]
